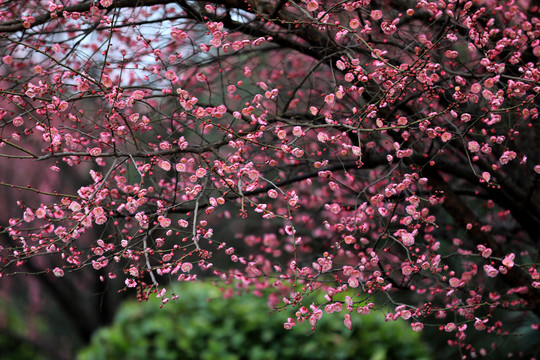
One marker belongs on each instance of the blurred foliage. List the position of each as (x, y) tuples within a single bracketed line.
[(16, 342), (203, 325), (14, 347)]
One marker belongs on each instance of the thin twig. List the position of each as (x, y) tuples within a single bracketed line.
[(147, 258)]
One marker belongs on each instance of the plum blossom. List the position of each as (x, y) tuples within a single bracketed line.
[(28, 215), (508, 260), (454, 282), (322, 137), (58, 272), (289, 324), (312, 5), (480, 324), (450, 327), (376, 14), (407, 238), (94, 151), (333, 208), (183, 223), (200, 173), (18, 121), (186, 267), (329, 99), (347, 322), (474, 146), (138, 95), (446, 136), (349, 239), (165, 165), (490, 270), (406, 270), (164, 221), (353, 282), (476, 88)]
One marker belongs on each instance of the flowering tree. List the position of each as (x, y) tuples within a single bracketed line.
[(358, 147)]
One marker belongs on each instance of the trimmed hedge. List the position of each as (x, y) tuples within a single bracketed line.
[(203, 325)]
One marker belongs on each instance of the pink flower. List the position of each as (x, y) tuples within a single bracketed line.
[(476, 88), (28, 215), (106, 81), (186, 267), (454, 282), (58, 272), (347, 322), (333, 208), (490, 270), (252, 174), (181, 167), (405, 314), (170, 75), (322, 137), (407, 238), (446, 136), (417, 326), (465, 117), (376, 14), (40, 213), (451, 54), (18, 121), (479, 325), (508, 260), (349, 239), (164, 221), (138, 95), (312, 5), (354, 23), (329, 99), (487, 94), (94, 151), (388, 28), (200, 77), (450, 327), (165, 165), (289, 324), (406, 270), (473, 146), (200, 172), (62, 106)]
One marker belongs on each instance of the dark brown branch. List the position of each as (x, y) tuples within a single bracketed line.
[(14, 26), (463, 216)]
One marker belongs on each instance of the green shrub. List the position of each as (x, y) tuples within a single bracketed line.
[(202, 325)]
